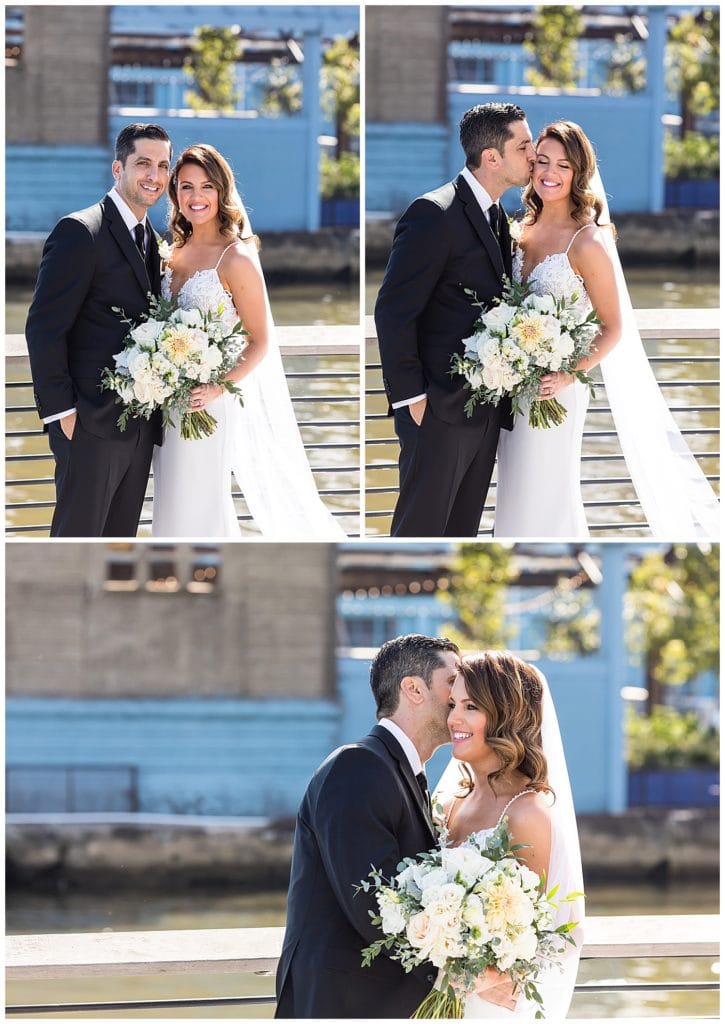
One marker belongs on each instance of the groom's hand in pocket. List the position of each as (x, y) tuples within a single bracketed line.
[(68, 424), (417, 410)]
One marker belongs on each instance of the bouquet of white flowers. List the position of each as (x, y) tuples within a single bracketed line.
[(520, 339), (168, 354), (465, 909)]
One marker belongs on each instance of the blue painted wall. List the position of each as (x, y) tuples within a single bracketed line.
[(292, 19), (213, 757)]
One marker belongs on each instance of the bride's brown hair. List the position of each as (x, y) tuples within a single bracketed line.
[(580, 154), (233, 219), (510, 693)]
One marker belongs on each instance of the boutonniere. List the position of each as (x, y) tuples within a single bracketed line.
[(516, 229), (165, 250)]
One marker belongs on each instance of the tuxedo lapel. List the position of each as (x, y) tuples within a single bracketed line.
[(480, 224), (126, 244), (396, 752), (506, 243)]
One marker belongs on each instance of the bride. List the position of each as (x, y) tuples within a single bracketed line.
[(567, 246), (214, 264), (508, 763)]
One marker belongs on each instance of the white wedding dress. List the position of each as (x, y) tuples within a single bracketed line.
[(259, 442), (538, 489), (192, 479)]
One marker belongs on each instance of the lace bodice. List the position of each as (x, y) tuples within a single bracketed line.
[(203, 291), (483, 833), (554, 275)]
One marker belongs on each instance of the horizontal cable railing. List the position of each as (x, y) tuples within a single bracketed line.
[(256, 951), (325, 396), (688, 373)]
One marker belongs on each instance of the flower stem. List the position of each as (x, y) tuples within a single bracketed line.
[(439, 1006), (548, 412), (195, 425)]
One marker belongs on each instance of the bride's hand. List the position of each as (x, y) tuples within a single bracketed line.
[(496, 988), (204, 394), (553, 383)]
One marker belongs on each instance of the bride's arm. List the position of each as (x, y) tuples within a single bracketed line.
[(591, 260)]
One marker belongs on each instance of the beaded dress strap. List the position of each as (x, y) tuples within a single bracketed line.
[(522, 793), (231, 245), (583, 228)]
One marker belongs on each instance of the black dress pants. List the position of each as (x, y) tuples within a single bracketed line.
[(100, 483), (445, 473)]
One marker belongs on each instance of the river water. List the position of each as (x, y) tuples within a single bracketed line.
[(128, 911)]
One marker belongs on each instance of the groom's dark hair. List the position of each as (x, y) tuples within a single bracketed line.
[(486, 126), (412, 655), (126, 139)]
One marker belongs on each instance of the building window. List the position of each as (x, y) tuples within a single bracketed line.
[(14, 36), (162, 568), (370, 631), (132, 94)]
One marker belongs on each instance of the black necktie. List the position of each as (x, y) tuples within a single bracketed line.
[(494, 215), (140, 235), (423, 783)]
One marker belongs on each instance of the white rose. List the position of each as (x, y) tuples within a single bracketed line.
[(466, 862), (421, 930), (541, 303), (147, 332), (391, 912), (121, 359), (127, 394), (474, 916), (406, 880), (143, 390), (188, 317), (564, 344), (443, 947), (443, 899), (138, 363), (426, 876), (165, 250), (500, 316)]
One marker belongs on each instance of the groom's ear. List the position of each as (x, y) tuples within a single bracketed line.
[(116, 169), (411, 688)]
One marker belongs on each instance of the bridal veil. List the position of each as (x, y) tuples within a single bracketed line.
[(674, 493), (268, 457)]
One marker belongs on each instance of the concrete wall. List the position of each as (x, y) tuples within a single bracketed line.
[(405, 61), (266, 630), (53, 96)]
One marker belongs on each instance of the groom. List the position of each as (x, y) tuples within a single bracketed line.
[(366, 806), (93, 260), (448, 240)]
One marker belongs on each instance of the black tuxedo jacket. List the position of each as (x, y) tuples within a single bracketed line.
[(363, 808), (443, 244), (90, 264)]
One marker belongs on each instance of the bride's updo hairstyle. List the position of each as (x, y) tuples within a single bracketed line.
[(233, 219), (510, 693), (580, 154)]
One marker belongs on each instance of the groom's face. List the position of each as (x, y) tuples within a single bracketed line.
[(142, 180), (517, 159), (439, 691)]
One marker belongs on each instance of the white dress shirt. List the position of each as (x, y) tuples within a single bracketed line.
[(130, 220), (485, 202), (412, 755)]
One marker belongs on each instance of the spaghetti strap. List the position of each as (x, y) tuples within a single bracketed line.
[(231, 244), (522, 793), (582, 228)]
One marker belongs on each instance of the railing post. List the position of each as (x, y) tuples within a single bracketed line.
[(656, 44), (612, 596), (311, 69)]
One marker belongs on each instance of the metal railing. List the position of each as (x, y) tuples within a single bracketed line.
[(609, 498), (323, 371), (256, 950)]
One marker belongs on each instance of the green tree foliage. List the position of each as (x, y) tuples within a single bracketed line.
[(211, 68), (341, 90), (552, 41), (668, 739), (673, 610), (339, 86), (627, 70), (693, 56), (478, 582), (694, 156), (282, 90), (573, 627), (340, 178)]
